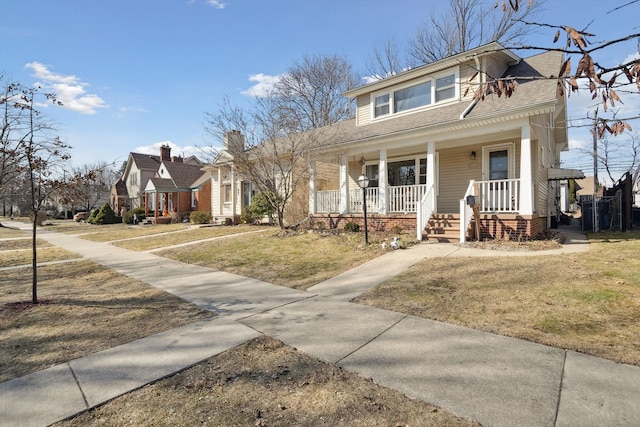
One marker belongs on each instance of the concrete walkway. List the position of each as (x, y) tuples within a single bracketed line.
[(495, 380)]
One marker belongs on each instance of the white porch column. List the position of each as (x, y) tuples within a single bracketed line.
[(431, 170), (526, 172), (382, 182), (344, 184), (312, 187), (233, 192)]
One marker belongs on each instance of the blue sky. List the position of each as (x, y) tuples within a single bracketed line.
[(134, 74)]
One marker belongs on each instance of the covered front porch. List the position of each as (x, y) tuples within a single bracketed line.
[(419, 185)]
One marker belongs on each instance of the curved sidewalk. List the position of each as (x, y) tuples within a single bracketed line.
[(495, 380)]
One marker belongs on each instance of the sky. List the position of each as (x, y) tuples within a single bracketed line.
[(136, 74)]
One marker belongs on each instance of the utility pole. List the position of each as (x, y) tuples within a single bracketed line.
[(595, 171)]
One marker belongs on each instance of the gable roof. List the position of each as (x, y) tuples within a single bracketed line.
[(534, 95), (182, 174), (145, 161)]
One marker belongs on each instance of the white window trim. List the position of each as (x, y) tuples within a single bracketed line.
[(511, 155), (432, 78)]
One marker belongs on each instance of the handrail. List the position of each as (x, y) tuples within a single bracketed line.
[(424, 210), (465, 211)]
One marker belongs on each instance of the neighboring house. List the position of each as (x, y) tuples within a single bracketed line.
[(140, 167), (426, 144), (230, 191), (163, 185), (176, 188), (119, 197)]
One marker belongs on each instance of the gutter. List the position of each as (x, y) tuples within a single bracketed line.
[(480, 82)]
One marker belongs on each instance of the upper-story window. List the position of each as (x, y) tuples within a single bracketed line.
[(441, 87)]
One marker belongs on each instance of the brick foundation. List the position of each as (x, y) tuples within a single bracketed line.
[(510, 227), (375, 222)]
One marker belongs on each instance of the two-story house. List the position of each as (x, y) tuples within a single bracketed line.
[(425, 142)]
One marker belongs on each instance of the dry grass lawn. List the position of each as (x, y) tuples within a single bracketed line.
[(589, 302), (83, 308), (295, 259), (266, 383), (187, 235)]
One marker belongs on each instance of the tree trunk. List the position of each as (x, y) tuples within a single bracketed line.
[(34, 262)]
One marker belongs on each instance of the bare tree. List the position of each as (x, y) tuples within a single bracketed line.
[(93, 184), (457, 26), (311, 91), (269, 144), (42, 157), (386, 60), (466, 24)]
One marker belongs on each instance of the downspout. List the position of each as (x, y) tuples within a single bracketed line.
[(481, 81)]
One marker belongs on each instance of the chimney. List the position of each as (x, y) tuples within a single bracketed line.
[(177, 159), (234, 141), (165, 153)]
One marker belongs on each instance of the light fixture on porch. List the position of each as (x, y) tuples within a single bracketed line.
[(362, 161), (363, 182), (472, 156)]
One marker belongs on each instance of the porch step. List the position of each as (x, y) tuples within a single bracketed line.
[(443, 228)]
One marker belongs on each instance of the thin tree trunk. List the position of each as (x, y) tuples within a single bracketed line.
[(34, 263)]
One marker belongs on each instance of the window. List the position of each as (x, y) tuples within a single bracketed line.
[(412, 97), (227, 193), (194, 199), (382, 105), (445, 87), (432, 90), (372, 172), (499, 165)]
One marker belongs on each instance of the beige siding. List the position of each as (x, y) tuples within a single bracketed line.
[(467, 71), (545, 157), (363, 114), (327, 176), (456, 170), (495, 67)]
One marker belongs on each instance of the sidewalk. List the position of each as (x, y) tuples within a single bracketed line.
[(495, 380)]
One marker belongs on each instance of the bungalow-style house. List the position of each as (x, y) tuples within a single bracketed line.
[(437, 157), (230, 191), (163, 185)]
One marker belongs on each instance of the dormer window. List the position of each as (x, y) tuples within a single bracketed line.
[(382, 105), (428, 91)]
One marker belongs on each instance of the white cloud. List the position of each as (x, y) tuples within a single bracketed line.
[(123, 111), (69, 89), (217, 4), (264, 83)]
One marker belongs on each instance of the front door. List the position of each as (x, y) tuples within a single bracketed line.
[(498, 166)]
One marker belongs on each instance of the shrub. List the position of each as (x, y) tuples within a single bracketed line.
[(259, 208), (396, 229), (352, 226), (105, 215), (200, 217), (128, 217), (42, 216), (180, 217)]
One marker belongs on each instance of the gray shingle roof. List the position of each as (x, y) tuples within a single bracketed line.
[(146, 161), (532, 90), (183, 174)]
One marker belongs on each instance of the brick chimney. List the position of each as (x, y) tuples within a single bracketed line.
[(234, 141), (177, 159), (165, 153)]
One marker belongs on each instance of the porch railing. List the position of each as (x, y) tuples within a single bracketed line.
[(328, 201), (355, 199), (500, 195), (426, 206), (402, 198)]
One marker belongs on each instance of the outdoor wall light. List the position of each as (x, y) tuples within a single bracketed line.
[(363, 182), (472, 156)]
